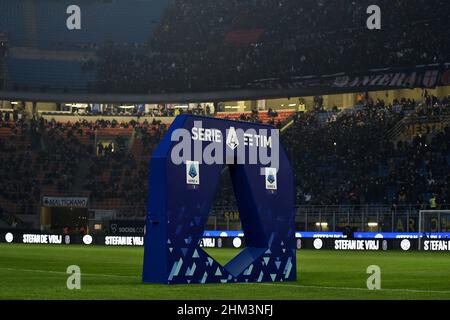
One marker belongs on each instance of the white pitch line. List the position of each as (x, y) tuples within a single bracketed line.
[(61, 272), (350, 288), (256, 284)]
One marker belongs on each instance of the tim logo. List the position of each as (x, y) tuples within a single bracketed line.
[(192, 172), (271, 178)]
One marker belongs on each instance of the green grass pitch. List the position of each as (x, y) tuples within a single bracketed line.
[(39, 272)]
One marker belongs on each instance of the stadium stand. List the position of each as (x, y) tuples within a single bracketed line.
[(351, 160), (275, 118), (346, 157), (37, 30), (372, 154), (180, 46), (284, 39), (42, 157), (11, 21), (55, 159), (117, 21), (46, 74)]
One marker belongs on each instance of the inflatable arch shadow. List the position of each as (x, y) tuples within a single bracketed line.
[(177, 212)]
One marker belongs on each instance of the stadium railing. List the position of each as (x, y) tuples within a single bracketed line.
[(319, 218)]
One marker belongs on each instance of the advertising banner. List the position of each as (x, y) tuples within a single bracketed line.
[(424, 76), (70, 202)]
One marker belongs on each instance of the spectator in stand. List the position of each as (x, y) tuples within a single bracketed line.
[(332, 37), (345, 159)]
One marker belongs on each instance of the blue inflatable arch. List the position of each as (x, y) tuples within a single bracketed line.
[(180, 197)]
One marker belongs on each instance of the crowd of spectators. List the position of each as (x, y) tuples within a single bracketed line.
[(351, 159), (18, 177), (61, 153), (433, 107), (254, 117), (44, 157), (135, 110), (124, 169), (3, 53), (189, 51)]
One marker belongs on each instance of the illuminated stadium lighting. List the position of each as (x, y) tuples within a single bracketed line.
[(77, 105), (373, 224), (322, 224), (14, 102)]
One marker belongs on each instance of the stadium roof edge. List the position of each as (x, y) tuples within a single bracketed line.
[(213, 96)]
